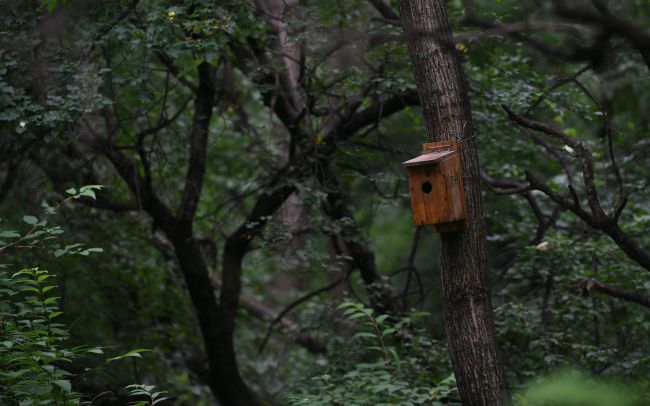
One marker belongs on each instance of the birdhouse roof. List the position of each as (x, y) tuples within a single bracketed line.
[(427, 159)]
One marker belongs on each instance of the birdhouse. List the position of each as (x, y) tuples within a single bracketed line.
[(436, 187)]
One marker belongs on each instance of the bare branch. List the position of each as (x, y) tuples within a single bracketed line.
[(162, 123), (566, 204), (499, 186), (264, 313), (128, 171), (599, 215), (539, 126), (559, 83), (237, 244), (592, 284), (296, 303), (608, 226)]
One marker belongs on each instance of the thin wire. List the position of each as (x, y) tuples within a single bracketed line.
[(467, 139), (459, 140), (482, 218)]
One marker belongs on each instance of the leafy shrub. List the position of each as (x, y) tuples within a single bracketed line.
[(32, 351), (35, 358), (573, 388), (382, 377)]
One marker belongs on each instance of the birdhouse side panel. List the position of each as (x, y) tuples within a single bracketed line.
[(454, 192)]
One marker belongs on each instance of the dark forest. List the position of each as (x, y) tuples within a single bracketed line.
[(313, 202)]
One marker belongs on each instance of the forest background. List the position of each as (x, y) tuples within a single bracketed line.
[(203, 201)]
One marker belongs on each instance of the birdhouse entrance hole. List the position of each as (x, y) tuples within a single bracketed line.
[(427, 188)]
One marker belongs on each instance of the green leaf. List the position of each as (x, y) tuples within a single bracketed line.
[(50, 300), (345, 305), (64, 385), (88, 193), (381, 318), (9, 234), (362, 334), (89, 250), (31, 220), (48, 288), (130, 354), (53, 315), (388, 331)]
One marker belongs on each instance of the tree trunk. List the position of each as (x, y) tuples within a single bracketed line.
[(216, 324), (217, 327), (467, 306)]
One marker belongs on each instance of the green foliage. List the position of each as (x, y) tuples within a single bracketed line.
[(51, 5), (103, 68), (152, 397), (39, 235), (573, 388), (38, 363), (33, 353), (572, 329), (379, 375)]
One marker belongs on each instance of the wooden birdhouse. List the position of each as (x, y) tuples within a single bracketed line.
[(436, 187)]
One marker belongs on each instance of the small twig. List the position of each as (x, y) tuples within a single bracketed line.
[(36, 226), (296, 303)]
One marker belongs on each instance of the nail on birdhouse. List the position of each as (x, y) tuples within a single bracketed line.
[(436, 187)]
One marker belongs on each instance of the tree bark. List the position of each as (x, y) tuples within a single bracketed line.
[(467, 306), (216, 327)]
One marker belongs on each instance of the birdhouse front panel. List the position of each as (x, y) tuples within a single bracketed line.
[(436, 187)]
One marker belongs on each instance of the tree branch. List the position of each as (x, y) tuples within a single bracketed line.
[(296, 303), (128, 171), (237, 243), (608, 21), (592, 284), (174, 70), (384, 299), (385, 10), (599, 215), (203, 105), (372, 114)]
